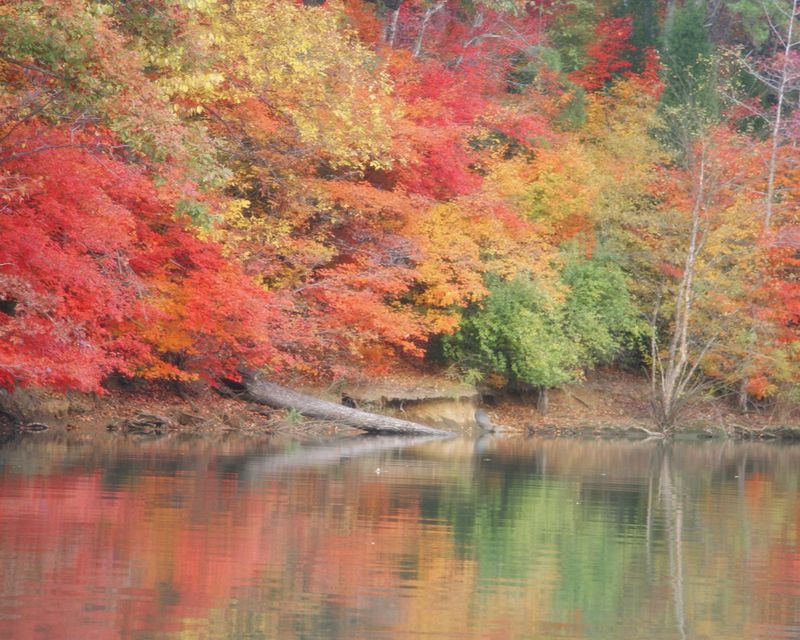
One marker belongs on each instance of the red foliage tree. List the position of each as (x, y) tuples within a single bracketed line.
[(97, 275), (607, 54)]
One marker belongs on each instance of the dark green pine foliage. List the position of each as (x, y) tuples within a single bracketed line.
[(689, 102), (646, 30)]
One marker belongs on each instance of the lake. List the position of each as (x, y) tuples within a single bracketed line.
[(242, 537)]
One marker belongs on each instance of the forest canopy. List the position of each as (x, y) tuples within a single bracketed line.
[(327, 188)]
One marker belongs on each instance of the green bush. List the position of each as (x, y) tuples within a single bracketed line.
[(601, 317), (525, 335)]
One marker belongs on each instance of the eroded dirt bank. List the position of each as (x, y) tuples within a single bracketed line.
[(608, 403)]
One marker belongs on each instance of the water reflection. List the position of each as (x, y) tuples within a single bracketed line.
[(369, 538)]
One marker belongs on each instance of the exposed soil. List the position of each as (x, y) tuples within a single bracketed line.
[(612, 401), (150, 410), (608, 402)]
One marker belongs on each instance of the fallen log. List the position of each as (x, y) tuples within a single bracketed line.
[(280, 397)]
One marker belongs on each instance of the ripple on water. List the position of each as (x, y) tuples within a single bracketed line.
[(510, 539)]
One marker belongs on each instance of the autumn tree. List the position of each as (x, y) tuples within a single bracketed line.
[(716, 257), (98, 276), (323, 188)]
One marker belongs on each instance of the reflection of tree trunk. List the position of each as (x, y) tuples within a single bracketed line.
[(482, 443), (280, 397), (742, 499), (741, 472), (676, 571), (649, 523), (674, 518), (330, 453)]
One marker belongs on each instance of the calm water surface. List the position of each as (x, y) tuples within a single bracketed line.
[(500, 539)]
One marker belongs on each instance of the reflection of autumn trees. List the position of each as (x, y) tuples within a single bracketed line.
[(530, 539)]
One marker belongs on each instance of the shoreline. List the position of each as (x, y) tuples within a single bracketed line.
[(608, 403)]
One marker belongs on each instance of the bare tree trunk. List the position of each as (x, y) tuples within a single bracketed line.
[(542, 401), (391, 31), (671, 377), (429, 13), (743, 395), (781, 91), (280, 397), (473, 39)]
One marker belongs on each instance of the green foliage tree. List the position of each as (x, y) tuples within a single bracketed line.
[(571, 32), (601, 317), (529, 335), (517, 332)]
